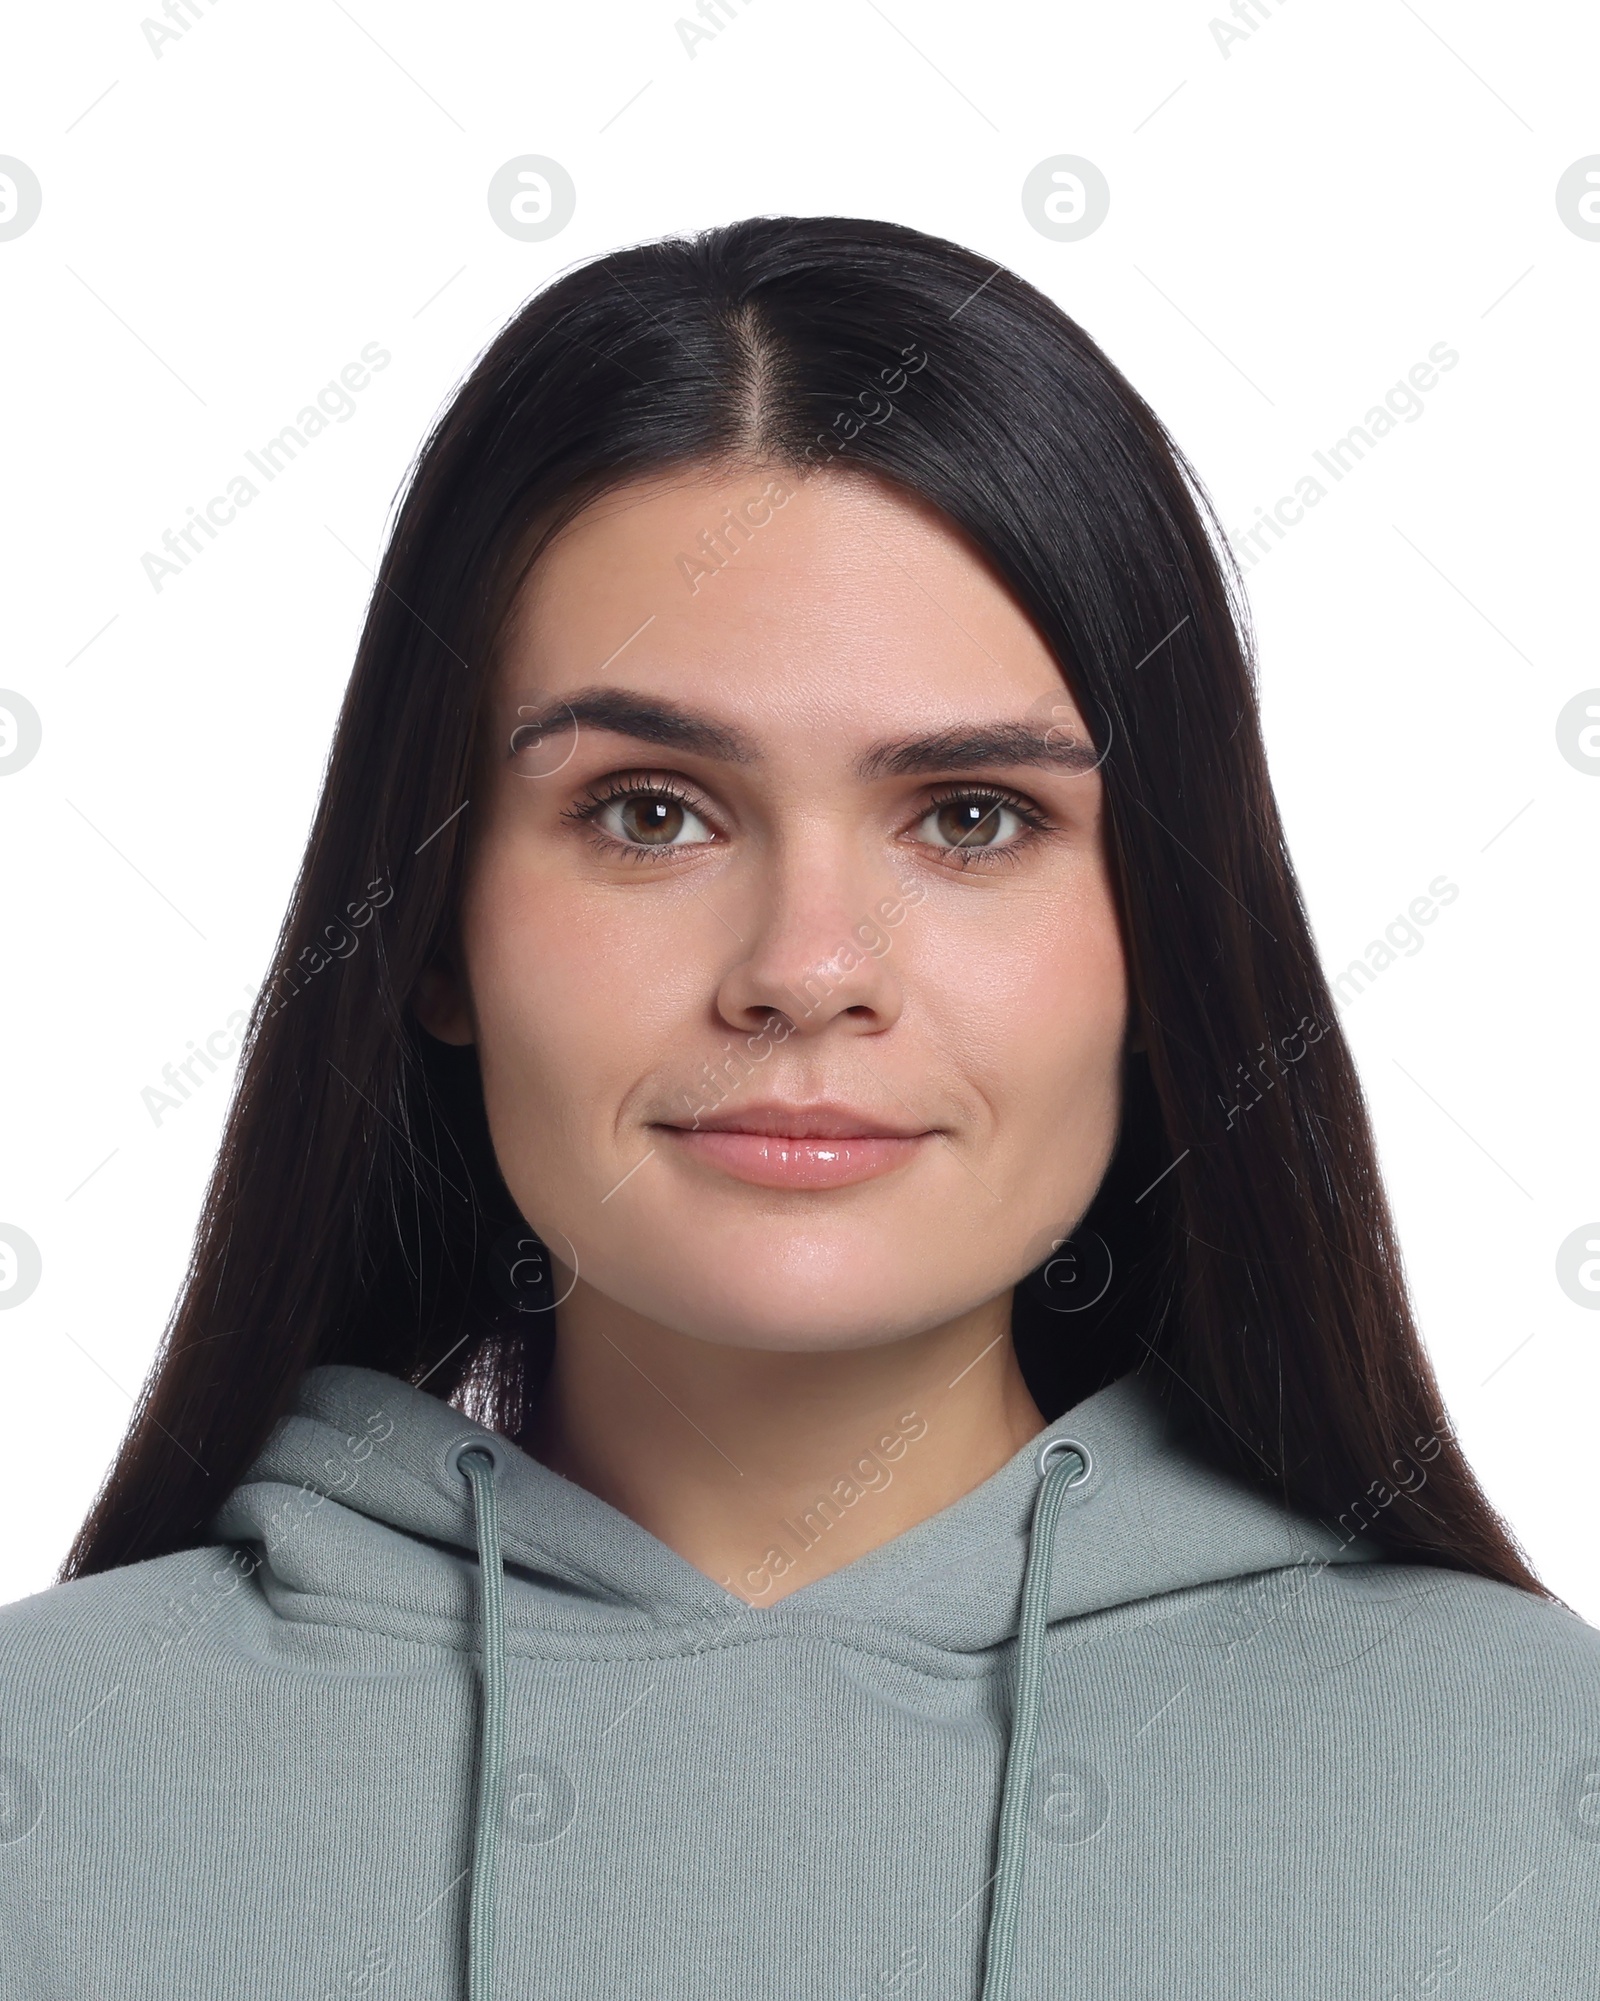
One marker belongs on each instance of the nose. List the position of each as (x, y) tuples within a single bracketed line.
[(819, 947)]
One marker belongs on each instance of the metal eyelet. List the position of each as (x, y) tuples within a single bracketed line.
[(1062, 1445), (482, 1445)]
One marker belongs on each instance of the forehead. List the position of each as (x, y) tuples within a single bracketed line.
[(835, 601)]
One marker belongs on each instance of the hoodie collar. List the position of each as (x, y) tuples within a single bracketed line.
[(1151, 1517)]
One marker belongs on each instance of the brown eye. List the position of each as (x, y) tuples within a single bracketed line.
[(652, 820), (978, 821), (656, 821)]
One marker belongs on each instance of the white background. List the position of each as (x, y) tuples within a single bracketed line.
[(1294, 222)]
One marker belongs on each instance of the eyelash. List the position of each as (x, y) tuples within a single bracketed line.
[(586, 812), (1033, 821)]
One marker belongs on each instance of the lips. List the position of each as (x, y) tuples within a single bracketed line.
[(800, 1146), (820, 1120)]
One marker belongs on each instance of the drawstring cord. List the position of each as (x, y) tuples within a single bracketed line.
[(1011, 1841), (476, 1464)]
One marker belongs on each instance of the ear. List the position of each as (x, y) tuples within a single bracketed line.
[(442, 1004)]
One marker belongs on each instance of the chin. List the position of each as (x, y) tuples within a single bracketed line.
[(798, 1292)]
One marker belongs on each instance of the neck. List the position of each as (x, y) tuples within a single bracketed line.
[(769, 1469)]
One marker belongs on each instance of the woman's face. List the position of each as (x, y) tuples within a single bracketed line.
[(788, 939)]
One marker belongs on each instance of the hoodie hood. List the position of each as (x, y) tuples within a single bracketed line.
[(1151, 1517)]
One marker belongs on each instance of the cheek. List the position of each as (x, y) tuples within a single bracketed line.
[(575, 994), (1039, 1010)]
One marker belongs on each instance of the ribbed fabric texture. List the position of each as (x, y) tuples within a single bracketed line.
[(1266, 1763)]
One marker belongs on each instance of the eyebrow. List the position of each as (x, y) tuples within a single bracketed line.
[(971, 747)]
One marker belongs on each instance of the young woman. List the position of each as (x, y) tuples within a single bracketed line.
[(796, 1381)]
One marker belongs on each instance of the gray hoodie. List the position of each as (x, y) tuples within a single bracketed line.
[(1242, 1756)]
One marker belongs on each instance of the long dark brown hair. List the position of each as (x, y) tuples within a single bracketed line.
[(356, 1213)]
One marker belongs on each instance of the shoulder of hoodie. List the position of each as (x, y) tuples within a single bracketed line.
[(65, 1642), (1406, 1632)]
